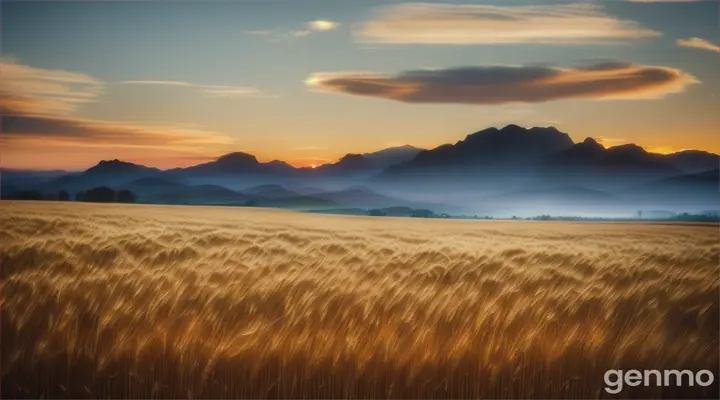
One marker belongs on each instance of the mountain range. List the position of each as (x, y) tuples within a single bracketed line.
[(495, 170)]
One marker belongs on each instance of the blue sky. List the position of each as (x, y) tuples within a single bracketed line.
[(240, 69)]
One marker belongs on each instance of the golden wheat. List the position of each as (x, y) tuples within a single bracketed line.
[(141, 301)]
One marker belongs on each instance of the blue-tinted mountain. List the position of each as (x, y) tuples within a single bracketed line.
[(110, 173), (489, 160), (364, 165), (270, 191), (688, 192), (392, 156), (591, 165), (693, 160), (233, 163), (362, 197)]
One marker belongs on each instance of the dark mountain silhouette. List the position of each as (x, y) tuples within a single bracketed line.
[(591, 165), (491, 159), (365, 164), (105, 173), (280, 167), (509, 145), (492, 169), (117, 167), (391, 156), (232, 163), (693, 160), (349, 164)]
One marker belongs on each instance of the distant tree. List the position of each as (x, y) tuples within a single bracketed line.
[(63, 195), (100, 194), (80, 196), (376, 213), (51, 197), (126, 196), (423, 213), (251, 203)]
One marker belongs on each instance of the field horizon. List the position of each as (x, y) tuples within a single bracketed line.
[(113, 300)]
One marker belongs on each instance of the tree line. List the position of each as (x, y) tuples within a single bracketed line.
[(101, 194)]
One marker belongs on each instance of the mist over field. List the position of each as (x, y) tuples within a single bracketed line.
[(170, 301)]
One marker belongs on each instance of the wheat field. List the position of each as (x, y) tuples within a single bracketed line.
[(168, 301)]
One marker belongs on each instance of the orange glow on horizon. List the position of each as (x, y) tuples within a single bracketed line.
[(35, 155)]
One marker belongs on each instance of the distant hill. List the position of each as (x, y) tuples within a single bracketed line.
[(148, 186), (362, 197), (689, 192), (270, 191), (105, 173)]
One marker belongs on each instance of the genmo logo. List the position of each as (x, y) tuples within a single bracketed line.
[(617, 379)]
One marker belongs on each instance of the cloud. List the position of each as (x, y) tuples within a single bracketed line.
[(259, 32), (310, 27), (427, 23), (510, 84), (698, 43), (37, 108), (46, 91), (322, 25), (209, 90), (89, 133)]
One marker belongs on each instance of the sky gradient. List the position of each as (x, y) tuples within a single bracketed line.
[(174, 83)]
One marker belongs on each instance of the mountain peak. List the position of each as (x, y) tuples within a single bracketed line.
[(512, 127), (237, 158), (629, 148), (116, 166), (591, 143)]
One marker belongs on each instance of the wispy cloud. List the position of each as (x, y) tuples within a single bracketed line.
[(322, 25), (259, 32), (510, 84), (37, 107), (698, 43), (87, 133), (310, 148), (428, 23), (46, 91), (284, 34), (209, 90)]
